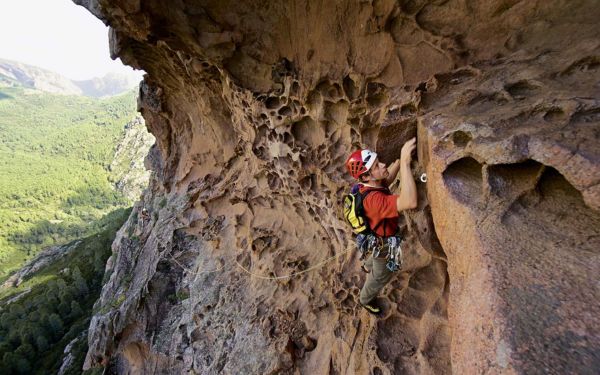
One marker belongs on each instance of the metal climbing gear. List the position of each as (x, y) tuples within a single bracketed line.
[(423, 177), (370, 243), (367, 243), (394, 259)]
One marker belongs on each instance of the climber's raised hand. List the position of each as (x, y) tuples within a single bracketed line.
[(407, 149)]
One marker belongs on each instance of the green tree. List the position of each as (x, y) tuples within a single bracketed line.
[(22, 366), (76, 310), (56, 326), (79, 282), (64, 308), (41, 343), (9, 362), (25, 351), (27, 333)]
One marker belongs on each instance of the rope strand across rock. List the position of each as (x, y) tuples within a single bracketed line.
[(251, 274)]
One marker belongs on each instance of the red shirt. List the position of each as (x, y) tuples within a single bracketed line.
[(380, 204)]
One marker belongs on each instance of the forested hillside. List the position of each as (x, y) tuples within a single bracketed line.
[(55, 152), (51, 308)]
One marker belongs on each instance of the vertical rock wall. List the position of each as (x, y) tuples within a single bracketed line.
[(255, 106)]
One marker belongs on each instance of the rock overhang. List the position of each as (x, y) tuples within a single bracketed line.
[(255, 106)]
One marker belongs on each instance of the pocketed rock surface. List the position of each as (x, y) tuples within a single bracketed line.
[(255, 106)]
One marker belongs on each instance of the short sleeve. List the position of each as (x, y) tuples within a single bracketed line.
[(381, 205)]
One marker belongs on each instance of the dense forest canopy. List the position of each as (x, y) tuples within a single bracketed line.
[(55, 151), (51, 310)]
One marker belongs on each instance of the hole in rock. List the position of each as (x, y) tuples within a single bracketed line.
[(393, 115), (274, 181), (485, 100), (505, 179), (309, 183), (348, 303), (337, 112), (341, 294), (422, 87), (282, 68), (272, 102), (562, 203), (460, 138), (314, 99), (295, 89), (522, 89), (588, 116), (333, 92), (376, 100), (285, 111), (408, 110), (350, 88), (554, 114), (308, 131), (374, 88), (463, 178), (377, 371)]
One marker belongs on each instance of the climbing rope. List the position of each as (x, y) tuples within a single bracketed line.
[(318, 265), (197, 273)]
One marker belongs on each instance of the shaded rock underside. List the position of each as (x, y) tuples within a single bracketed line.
[(256, 105)]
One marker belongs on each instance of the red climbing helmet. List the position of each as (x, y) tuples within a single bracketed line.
[(360, 161)]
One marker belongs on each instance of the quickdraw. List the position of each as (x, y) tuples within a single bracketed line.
[(368, 243)]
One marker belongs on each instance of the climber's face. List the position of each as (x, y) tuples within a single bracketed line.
[(379, 170)]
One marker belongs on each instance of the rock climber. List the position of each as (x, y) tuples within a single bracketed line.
[(381, 209)]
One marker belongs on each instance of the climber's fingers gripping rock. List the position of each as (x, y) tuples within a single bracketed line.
[(407, 149)]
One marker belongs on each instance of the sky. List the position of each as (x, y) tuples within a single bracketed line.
[(56, 35)]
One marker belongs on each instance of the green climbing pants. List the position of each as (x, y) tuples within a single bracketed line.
[(379, 276)]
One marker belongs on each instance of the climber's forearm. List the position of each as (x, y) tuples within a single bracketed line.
[(408, 189), (393, 169)]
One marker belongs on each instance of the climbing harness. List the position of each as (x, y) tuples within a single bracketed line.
[(371, 243)]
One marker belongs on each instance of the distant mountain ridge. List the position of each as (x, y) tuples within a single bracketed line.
[(13, 73)]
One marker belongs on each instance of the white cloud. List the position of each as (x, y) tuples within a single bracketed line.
[(56, 35)]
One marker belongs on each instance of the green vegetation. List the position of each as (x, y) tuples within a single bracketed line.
[(55, 152), (35, 329)]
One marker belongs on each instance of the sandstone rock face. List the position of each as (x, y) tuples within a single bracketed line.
[(255, 106)]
